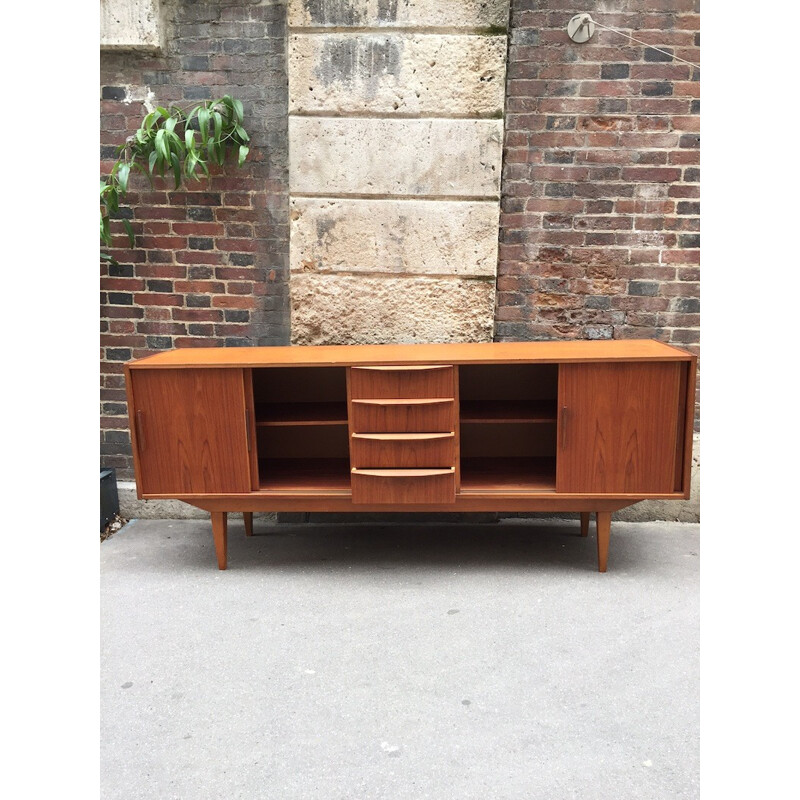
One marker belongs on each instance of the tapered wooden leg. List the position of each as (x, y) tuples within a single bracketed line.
[(585, 515), (603, 535), (248, 523), (219, 527)]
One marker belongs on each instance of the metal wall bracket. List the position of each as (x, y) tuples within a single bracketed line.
[(580, 28)]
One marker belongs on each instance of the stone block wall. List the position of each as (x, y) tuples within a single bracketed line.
[(395, 143)]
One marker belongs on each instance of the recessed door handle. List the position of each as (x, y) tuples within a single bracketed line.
[(140, 430), (247, 427), (563, 427)]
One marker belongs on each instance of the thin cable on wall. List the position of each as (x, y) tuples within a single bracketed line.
[(581, 28)]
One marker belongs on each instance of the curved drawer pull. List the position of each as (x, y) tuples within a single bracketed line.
[(406, 368), (408, 401), (404, 473), (403, 437)]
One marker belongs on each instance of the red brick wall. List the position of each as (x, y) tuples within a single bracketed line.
[(600, 211), (210, 266)]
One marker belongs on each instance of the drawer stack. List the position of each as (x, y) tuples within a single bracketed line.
[(403, 423)]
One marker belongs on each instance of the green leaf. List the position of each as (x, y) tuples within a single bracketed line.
[(163, 111), (191, 164), (105, 234), (170, 124), (151, 161), (243, 151), (238, 110), (129, 231), (242, 133), (177, 145), (203, 117), (188, 136), (161, 144), (122, 176), (112, 200), (176, 168), (111, 260)]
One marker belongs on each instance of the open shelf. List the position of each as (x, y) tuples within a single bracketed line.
[(304, 475), (508, 411), (507, 475), (330, 413)]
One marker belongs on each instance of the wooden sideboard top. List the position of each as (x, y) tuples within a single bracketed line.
[(456, 353)]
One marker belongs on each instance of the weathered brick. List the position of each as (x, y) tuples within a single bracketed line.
[(651, 54), (615, 71)]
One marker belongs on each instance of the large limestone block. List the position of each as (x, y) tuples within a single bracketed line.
[(339, 309), (130, 25), (434, 157), (399, 13), (402, 73), (394, 236)]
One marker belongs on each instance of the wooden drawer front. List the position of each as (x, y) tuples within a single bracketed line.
[(403, 450), (398, 417), (403, 486), (417, 381)]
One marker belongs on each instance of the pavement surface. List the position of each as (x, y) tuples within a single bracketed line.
[(400, 661)]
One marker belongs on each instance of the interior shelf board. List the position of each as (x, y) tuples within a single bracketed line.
[(304, 475), (507, 475), (301, 414), (508, 411)]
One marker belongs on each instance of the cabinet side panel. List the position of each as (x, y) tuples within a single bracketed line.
[(137, 469), (688, 432), (191, 431), (250, 418), (618, 426), (680, 439)]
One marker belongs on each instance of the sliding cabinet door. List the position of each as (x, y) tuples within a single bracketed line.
[(190, 431), (618, 427)]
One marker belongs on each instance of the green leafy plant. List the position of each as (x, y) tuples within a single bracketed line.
[(184, 143)]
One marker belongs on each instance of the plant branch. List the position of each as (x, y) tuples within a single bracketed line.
[(166, 141)]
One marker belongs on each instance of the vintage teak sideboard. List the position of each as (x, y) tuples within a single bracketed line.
[(504, 427)]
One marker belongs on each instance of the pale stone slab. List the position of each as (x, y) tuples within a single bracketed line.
[(427, 237), (397, 73), (399, 13), (130, 25), (338, 309), (434, 157)]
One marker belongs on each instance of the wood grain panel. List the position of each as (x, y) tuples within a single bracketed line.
[(617, 428), (191, 431), (390, 487), (403, 450), (434, 416), (399, 354), (402, 382)]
